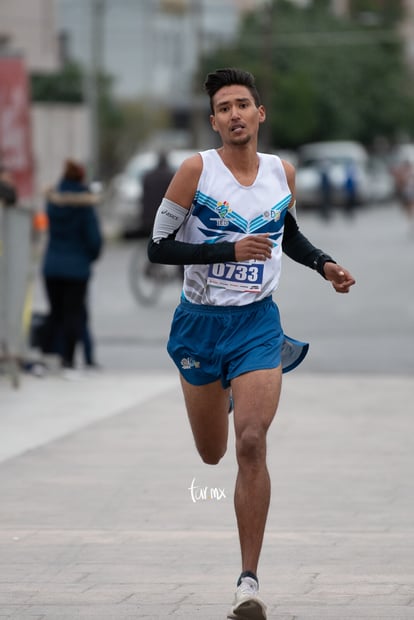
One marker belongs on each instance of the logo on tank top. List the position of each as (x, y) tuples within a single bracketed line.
[(223, 210), (273, 214)]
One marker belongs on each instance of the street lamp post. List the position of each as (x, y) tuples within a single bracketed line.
[(197, 116), (96, 29), (267, 56)]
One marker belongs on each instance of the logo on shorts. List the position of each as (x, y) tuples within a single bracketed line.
[(188, 362)]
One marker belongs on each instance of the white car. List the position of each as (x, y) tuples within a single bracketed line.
[(372, 179)]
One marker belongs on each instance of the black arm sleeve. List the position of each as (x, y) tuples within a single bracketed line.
[(168, 251), (171, 252), (300, 249)]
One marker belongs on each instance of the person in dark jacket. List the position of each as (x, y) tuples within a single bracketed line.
[(154, 186), (74, 243), (8, 194)]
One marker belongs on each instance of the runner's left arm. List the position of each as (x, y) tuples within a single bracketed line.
[(300, 249)]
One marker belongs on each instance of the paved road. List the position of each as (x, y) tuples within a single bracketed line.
[(99, 522)]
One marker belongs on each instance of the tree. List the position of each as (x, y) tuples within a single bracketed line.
[(324, 77), (386, 12), (65, 86)]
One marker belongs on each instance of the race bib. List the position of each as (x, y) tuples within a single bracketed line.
[(244, 277)]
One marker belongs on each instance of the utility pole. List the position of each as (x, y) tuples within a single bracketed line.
[(407, 32), (96, 35), (268, 69), (197, 115)]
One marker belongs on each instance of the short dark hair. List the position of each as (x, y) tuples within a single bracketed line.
[(228, 77)]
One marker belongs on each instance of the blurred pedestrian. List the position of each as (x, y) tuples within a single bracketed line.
[(404, 176), (325, 203), (74, 243), (351, 190), (88, 342), (8, 193), (154, 186)]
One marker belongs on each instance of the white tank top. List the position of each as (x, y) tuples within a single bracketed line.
[(225, 210)]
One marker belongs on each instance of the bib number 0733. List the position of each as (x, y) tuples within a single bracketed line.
[(237, 276)]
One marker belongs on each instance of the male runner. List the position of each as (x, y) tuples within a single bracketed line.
[(226, 216)]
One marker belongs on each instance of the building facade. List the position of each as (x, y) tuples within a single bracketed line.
[(29, 32), (30, 28), (152, 47)]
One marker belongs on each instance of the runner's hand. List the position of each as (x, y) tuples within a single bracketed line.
[(253, 247), (340, 278)]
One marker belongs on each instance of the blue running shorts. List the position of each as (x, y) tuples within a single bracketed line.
[(208, 343)]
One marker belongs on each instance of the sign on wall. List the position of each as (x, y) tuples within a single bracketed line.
[(15, 127)]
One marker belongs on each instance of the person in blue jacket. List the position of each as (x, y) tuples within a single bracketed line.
[(74, 243)]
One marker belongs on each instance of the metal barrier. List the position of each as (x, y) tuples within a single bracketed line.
[(15, 270)]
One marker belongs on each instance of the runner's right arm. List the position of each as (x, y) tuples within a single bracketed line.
[(163, 246)]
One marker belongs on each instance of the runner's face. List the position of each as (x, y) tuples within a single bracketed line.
[(236, 117)]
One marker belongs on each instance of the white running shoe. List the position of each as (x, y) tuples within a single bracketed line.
[(247, 604)]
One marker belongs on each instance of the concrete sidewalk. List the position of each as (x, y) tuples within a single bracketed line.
[(98, 520)]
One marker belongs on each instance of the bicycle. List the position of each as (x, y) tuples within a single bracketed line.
[(149, 280)]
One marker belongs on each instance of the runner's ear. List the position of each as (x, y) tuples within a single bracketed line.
[(213, 122)]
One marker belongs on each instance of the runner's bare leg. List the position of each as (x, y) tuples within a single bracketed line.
[(207, 409), (256, 397)]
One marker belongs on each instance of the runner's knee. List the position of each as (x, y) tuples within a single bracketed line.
[(251, 445)]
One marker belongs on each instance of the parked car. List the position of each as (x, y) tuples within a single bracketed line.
[(338, 159), (288, 155), (123, 196)]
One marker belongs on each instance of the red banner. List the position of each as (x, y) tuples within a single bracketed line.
[(15, 128)]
